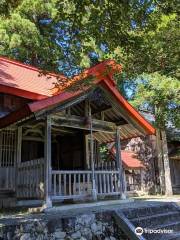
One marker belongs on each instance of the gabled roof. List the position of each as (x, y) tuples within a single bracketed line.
[(102, 75), (129, 159), (25, 81)]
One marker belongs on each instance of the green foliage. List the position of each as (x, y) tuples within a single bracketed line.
[(24, 34), (58, 35), (142, 35), (161, 95), (104, 152)]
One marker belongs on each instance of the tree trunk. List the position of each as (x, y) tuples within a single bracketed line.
[(160, 161), (168, 183)]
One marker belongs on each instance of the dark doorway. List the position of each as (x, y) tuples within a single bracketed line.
[(68, 152)]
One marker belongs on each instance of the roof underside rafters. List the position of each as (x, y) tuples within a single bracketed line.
[(113, 113)]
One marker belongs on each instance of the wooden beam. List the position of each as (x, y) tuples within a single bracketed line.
[(80, 123), (86, 108), (47, 159), (36, 139), (116, 106), (1, 142), (19, 144), (102, 116), (61, 106)]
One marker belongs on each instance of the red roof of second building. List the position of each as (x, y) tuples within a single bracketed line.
[(129, 159)]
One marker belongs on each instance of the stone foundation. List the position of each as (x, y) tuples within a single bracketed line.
[(83, 227)]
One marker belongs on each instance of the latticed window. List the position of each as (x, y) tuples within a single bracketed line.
[(7, 147)]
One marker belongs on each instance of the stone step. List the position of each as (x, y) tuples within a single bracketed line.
[(157, 219), (174, 226), (174, 236), (133, 213), (161, 216)]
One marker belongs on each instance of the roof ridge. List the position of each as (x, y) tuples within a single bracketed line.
[(28, 66)]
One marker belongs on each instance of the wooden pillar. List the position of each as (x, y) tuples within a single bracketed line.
[(47, 160), (87, 163), (18, 156), (1, 146), (19, 145), (94, 193), (167, 173), (125, 184), (121, 181)]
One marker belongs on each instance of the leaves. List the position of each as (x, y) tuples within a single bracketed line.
[(161, 95), (68, 36)]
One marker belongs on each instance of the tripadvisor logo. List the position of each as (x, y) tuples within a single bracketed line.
[(139, 231)]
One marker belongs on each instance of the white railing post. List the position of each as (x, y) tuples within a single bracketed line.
[(121, 181), (47, 158)]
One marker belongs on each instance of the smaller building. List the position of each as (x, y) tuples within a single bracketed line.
[(134, 169)]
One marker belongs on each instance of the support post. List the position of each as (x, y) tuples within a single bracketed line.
[(18, 156), (121, 181), (19, 144), (1, 138), (47, 159), (94, 193)]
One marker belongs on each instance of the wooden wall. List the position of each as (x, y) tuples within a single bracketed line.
[(9, 103)]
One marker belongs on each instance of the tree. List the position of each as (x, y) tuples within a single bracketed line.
[(59, 35), (160, 95), (27, 33)]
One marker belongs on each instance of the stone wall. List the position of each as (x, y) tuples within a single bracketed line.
[(82, 227)]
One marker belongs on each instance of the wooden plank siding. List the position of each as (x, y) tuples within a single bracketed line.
[(30, 182), (7, 158)]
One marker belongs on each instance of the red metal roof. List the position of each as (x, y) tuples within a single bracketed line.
[(129, 159), (24, 80), (129, 108), (102, 74)]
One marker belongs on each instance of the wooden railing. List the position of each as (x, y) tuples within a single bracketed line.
[(105, 165), (71, 184), (7, 178), (30, 182), (107, 182), (76, 184)]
